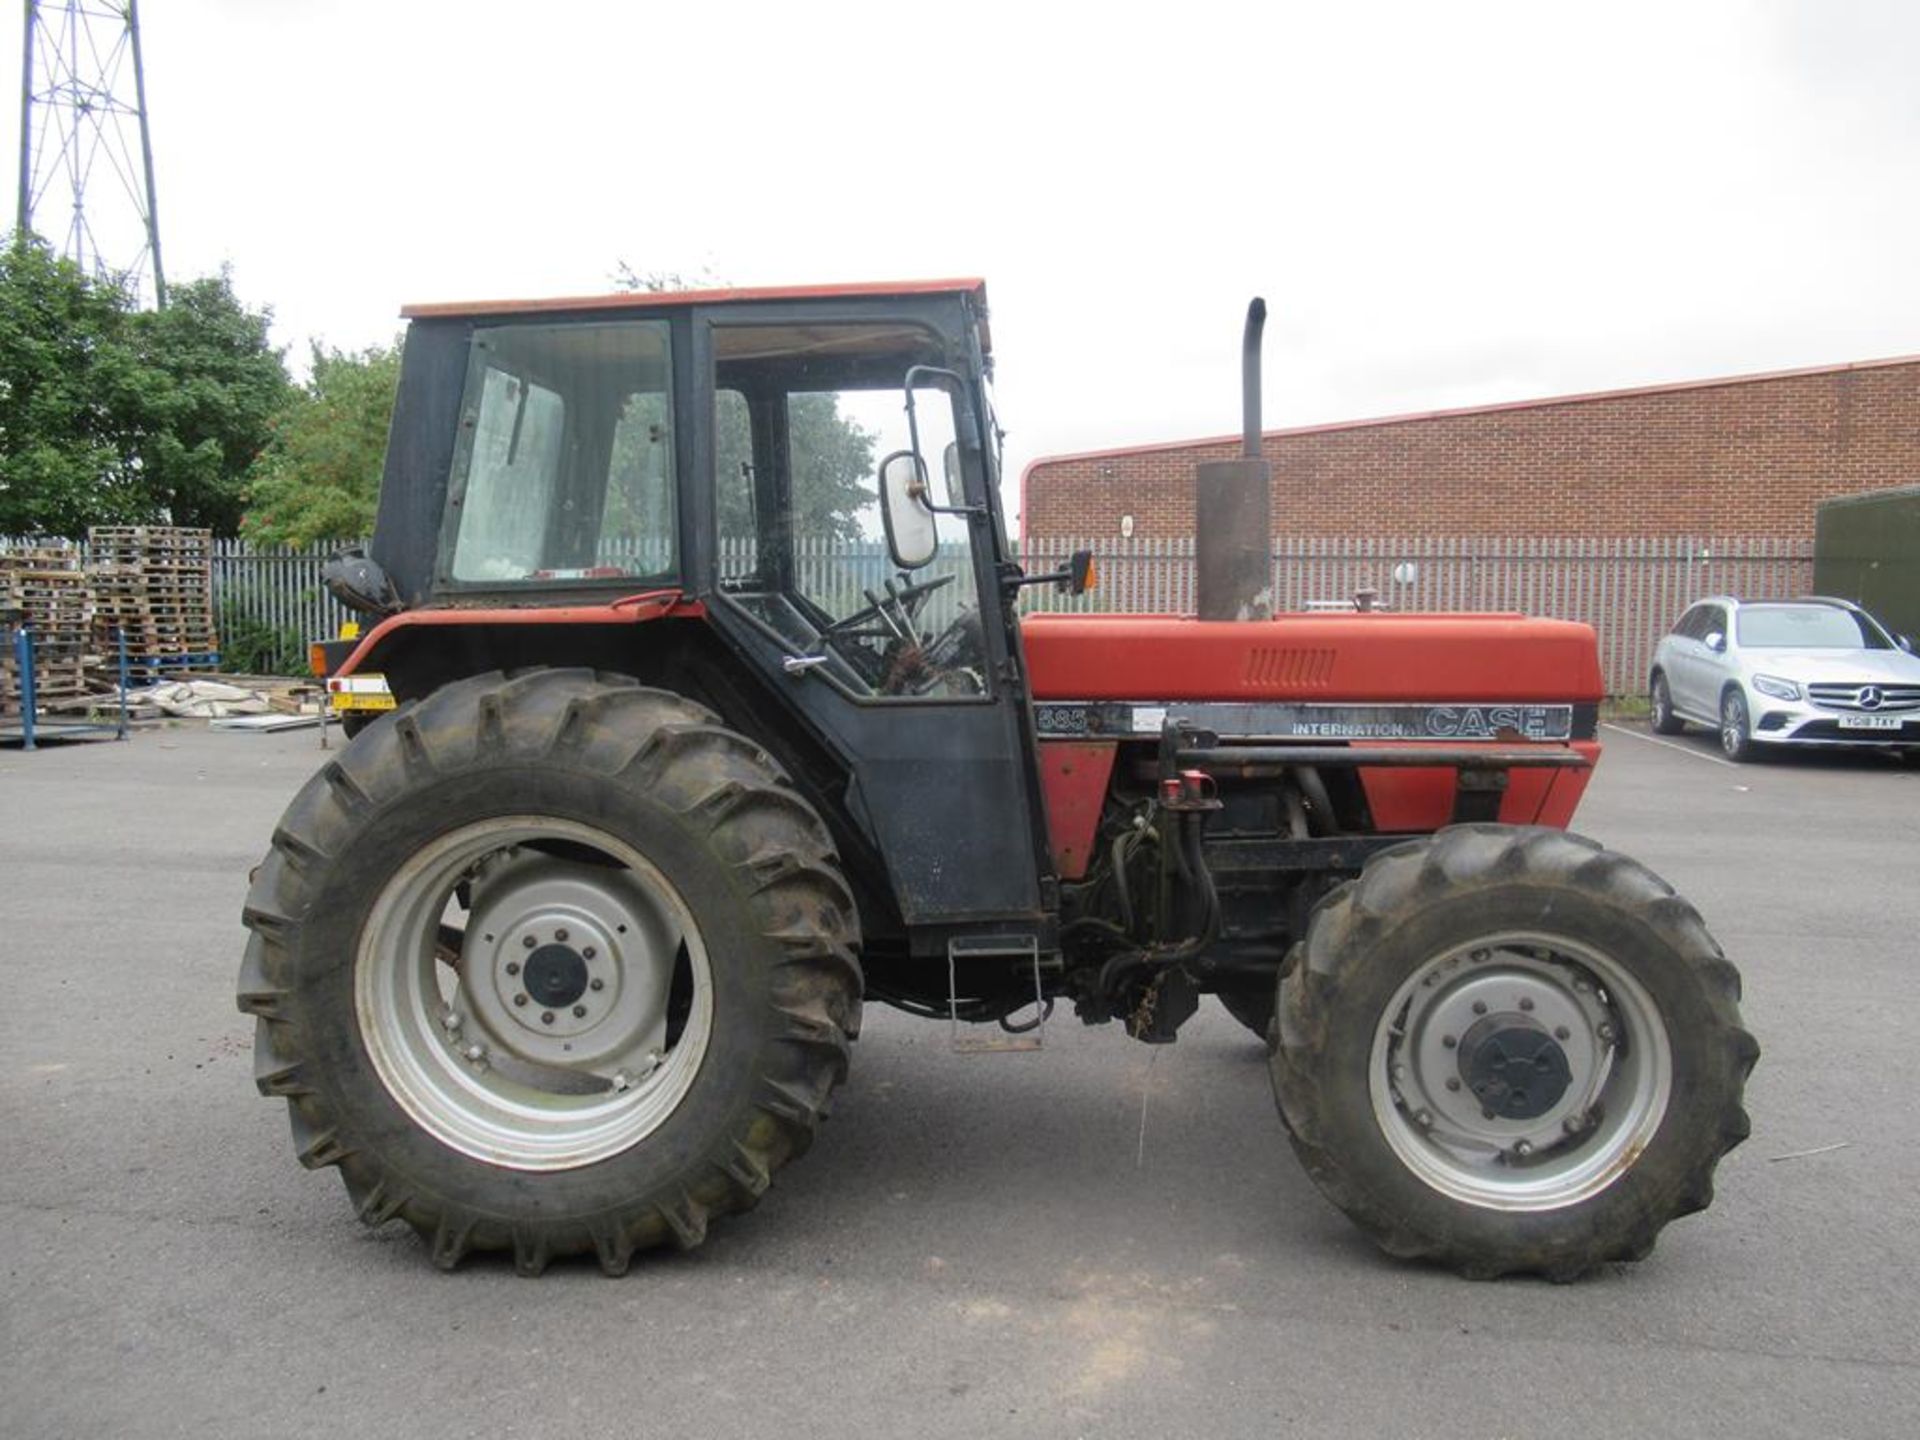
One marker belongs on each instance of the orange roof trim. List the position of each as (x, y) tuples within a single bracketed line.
[(737, 295)]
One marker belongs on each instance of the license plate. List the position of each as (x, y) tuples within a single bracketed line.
[(344, 703), (360, 692), (1870, 722)]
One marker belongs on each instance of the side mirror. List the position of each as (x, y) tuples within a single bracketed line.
[(359, 583), (906, 510), (1905, 642), (1715, 641), (1079, 576)]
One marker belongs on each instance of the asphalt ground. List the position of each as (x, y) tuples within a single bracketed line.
[(1100, 1239)]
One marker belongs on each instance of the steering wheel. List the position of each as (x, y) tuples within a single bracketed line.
[(904, 599)]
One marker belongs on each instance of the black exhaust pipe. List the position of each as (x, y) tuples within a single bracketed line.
[(1250, 380), (1233, 508)]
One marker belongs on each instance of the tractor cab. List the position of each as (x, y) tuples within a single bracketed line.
[(809, 477)]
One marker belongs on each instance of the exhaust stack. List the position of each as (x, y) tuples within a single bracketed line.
[(1233, 508)]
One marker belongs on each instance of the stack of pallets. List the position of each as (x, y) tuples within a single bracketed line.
[(44, 588), (154, 584)]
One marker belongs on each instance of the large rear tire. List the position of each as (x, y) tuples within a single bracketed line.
[(1506, 1049), (551, 964)]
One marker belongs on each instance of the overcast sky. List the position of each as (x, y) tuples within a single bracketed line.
[(1443, 203)]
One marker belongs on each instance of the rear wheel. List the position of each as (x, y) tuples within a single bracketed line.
[(1660, 717), (551, 964), (1736, 730), (1509, 1050)]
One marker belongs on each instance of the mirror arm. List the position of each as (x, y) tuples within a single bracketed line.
[(1073, 578)]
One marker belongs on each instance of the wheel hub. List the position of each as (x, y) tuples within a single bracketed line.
[(1515, 1067), (565, 965), (556, 975)]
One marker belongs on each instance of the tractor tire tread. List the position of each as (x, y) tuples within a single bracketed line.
[(1402, 882), (729, 790)]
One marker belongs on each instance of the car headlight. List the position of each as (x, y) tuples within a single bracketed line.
[(1779, 689)]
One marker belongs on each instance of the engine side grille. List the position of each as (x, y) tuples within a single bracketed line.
[(1851, 697), (1293, 668)]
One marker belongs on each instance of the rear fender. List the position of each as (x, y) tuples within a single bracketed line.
[(420, 650)]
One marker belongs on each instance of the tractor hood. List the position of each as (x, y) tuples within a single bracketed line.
[(1355, 657)]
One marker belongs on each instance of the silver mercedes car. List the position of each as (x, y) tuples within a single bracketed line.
[(1786, 672)]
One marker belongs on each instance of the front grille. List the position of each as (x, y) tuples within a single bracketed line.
[(1848, 696)]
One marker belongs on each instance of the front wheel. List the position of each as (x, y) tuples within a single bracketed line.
[(551, 964), (1507, 1049), (1736, 729)]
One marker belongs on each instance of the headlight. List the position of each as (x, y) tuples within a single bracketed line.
[(1777, 688)]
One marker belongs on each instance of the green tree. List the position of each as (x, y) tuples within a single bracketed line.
[(110, 415), (832, 458), (319, 476), (215, 388), (69, 385)]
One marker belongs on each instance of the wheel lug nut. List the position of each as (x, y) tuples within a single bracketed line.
[(476, 1052), (1571, 1125), (528, 941), (513, 969), (1523, 1148), (1479, 1007), (1480, 957), (1560, 1032), (546, 1017), (1424, 1119), (578, 1011), (588, 953), (520, 999), (561, 933), (1605, 1032), (1448, 1041), (1526, 1003), (1486, 1113), (1453, 1082), (596, 984)]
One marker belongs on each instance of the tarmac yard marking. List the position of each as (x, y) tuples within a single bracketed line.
[(1668, 745)]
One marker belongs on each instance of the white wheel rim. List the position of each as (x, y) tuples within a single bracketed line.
[(473, 1052), (1610, 1036)]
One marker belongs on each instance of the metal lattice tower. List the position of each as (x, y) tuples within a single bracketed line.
[(84, 140)]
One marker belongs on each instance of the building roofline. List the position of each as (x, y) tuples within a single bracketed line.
[(1459, 412)]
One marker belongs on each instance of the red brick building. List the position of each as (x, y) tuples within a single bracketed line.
[(1747, 455)]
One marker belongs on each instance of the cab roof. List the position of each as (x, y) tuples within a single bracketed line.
[(738, 295)]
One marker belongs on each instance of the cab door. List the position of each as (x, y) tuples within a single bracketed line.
[(904, 675)]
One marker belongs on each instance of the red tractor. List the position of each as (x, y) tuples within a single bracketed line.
[(715, 716)]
